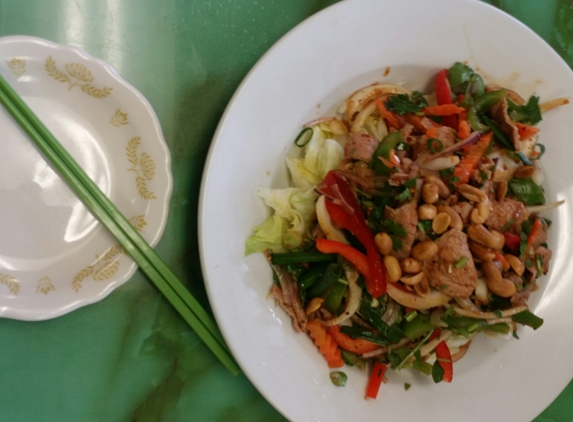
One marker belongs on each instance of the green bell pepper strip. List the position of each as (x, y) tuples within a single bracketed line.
[(527, 191), (386, 145), (481, 105)]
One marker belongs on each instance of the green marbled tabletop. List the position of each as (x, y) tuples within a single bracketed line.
[(130, 357)]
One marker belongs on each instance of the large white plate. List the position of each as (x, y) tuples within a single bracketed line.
[(54, 255), (305, 76)]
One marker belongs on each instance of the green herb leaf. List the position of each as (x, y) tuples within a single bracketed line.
[(405, 196), (437, 372), (529, 113), (527, 191), (411, 183), (403, 103), (359, 332), (392, 227), (407, 386), (459, 76)]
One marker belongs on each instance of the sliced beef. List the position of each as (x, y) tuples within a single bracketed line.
[(500, 115), (503, 212), (445, 134), (441, 271), (464, 209), (407, 216), (520, 298), (288, 297), (360, 147)]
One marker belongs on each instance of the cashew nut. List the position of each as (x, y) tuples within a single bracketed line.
[(495, 282)]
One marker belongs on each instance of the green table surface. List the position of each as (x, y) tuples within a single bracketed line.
[(130, 357)]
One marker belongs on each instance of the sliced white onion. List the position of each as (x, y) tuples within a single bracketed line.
[(351, 306), (482, 291), (467, 304), (490, 315), (362, 116), (325, 223), (546, 207), (411, 300), (441, 163), (550, 105), (538, 177), (505, 165), (358, 100), (428, 347)]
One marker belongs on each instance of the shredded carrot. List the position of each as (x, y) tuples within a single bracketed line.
[(325, 344), (501, 259), (469, 163), (432, 132), (525, 131), (388, 116), (443, 110), (535, 230), (419, 122), (354, 345), (464, 129)]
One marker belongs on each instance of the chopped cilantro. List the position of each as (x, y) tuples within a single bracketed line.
[(392, 227), (406, 386), (498, 313), (446, 172), (404, 196), (515, 335), (411, 183), (507, 225), (404, 103), (483, 175), (461, 263), (396, 242), (528, 113)]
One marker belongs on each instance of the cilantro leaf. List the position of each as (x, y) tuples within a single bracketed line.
[(459, 74), (411, 183), (392, 228), (403, 103), (404, 196), (529, 113)]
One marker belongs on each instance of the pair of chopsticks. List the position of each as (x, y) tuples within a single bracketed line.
[(107, 213)]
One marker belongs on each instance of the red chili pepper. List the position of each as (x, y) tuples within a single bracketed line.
[(348, 215), (376, 378), (444, 96), (445, 360), (512, 241), (357, 258)]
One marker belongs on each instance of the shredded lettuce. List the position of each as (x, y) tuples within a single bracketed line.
[(289, 226), (294, 208), (321, 155)]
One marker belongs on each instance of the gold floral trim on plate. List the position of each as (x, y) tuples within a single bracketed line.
[(17, 66), (119, 118), (45, 285), (11, 282), (106, 265), (143, 167), (75, 74)]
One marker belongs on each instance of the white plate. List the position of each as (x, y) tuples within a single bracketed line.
[(54, 255), (306, 75)]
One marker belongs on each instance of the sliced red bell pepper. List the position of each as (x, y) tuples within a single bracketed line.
[(444, 96), (376, 378), (348, 215), (445, 359), (434, 334), (512, 241), (356, 258)]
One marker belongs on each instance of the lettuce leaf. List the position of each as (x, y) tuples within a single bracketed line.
[(289, 226), (321, 156)]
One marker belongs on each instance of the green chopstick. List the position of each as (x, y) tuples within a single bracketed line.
[(95, 200)]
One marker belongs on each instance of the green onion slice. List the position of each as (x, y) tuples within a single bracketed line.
[(435, 145), (303, 137), (541, 152), (338, 378), (461, 262)]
